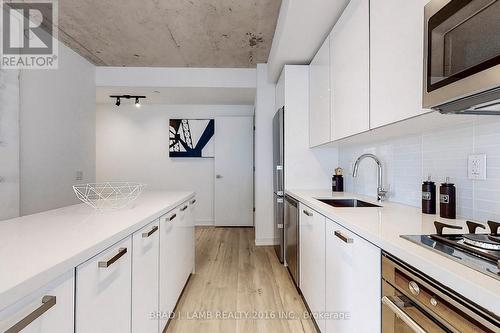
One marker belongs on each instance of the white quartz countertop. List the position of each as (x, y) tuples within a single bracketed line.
[(383, 227), (35, 249)]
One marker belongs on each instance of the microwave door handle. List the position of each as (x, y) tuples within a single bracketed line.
[(391, 304)]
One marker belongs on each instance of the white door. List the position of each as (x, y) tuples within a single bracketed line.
[(9, 144), (103, 291), (145, 284), (234, 171)]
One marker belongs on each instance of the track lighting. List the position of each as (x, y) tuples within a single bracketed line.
[(119, 97)]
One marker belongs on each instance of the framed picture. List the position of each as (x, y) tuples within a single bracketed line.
[(192, 138)]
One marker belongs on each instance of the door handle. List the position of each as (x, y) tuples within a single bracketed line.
[(47, 303), (218, 176), (149, 233), (106, 264), (391, 304), (345, 238)]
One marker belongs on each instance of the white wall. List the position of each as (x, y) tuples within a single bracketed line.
[(57, 126), (132, 145), (264, 112), (441, 153), (9, 144)]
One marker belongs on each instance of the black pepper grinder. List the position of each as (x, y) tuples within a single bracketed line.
[(338, 181), (429, 196), (447, 200)]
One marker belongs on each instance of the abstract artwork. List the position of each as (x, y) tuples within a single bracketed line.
[(192, 137)]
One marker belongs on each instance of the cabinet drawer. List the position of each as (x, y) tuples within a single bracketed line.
[(103, 291), (145, 283), (47, 310)]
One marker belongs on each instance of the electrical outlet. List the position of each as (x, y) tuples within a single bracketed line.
[(477, 167)]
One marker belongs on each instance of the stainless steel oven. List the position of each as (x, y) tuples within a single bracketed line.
[(413, 302), (462, 56)]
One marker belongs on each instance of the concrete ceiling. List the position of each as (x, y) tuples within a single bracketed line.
[(170, 33), (180, 95)]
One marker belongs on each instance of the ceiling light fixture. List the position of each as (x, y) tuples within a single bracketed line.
[(119, 97)]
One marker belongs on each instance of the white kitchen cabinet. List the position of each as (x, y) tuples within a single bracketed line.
[(191, 238), (145, 283), (319, 96), (312, 261), (47, 310), (103, 291), (352, 281), (349, 71), (396, 55)]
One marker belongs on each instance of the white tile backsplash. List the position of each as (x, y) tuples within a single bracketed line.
[(442, 153)]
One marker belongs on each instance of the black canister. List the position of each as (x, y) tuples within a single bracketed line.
[(429, 197), (447, 200), (338, 181)]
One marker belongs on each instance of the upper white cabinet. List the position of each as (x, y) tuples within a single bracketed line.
[(312, 260), (352, 281), (145, 284), (349, 71), (396, 54), (47, 310), (103, 289), (319, 97)]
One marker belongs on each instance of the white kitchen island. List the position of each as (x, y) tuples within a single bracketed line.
[(95, 258)]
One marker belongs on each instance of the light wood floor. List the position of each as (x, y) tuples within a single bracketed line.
[(236, 278)]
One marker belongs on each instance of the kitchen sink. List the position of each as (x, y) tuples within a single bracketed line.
[(347, 203)]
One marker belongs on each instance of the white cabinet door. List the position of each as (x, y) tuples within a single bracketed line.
[(312, 260), (184, 255), (319, 96), (145, 284), (47, 310), (191, 238), (396, 54), (170, 265), (103, 291), (349, 71), (352, 281)]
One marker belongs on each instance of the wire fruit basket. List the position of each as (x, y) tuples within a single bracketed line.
[(108, 195)]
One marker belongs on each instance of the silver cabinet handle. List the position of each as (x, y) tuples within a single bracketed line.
[(307, 213), (387, 300), (47, 303), (193, 201), (106, 264), (172, 217), (346, 239), (184, 208), (149, 233)]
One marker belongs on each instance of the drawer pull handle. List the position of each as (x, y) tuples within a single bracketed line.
[(393, 306), (346, 239), (172, 217), (149, 233), (193, 201), (307, 213), (414, 288), (184, 208), (47, 303), (106, 264)]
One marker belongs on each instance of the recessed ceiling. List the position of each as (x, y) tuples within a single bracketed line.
[(170, 33)]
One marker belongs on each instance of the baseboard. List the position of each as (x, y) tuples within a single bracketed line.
[(204, 222), (265, 242)]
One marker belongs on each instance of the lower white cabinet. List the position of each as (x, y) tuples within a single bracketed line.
[(145, 283), (103, 290), (352, 281), (47, 310), (312, 261)]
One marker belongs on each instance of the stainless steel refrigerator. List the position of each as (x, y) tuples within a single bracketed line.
[(279, 183)]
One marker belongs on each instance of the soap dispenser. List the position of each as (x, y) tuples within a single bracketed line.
[(429, 196), (338, 181)]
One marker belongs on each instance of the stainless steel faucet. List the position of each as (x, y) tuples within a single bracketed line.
[(381, 193)]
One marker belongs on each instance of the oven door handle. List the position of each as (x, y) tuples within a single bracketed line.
[(391, 304)]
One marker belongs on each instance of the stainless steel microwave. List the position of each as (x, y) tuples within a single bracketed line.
[(462, 56)]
